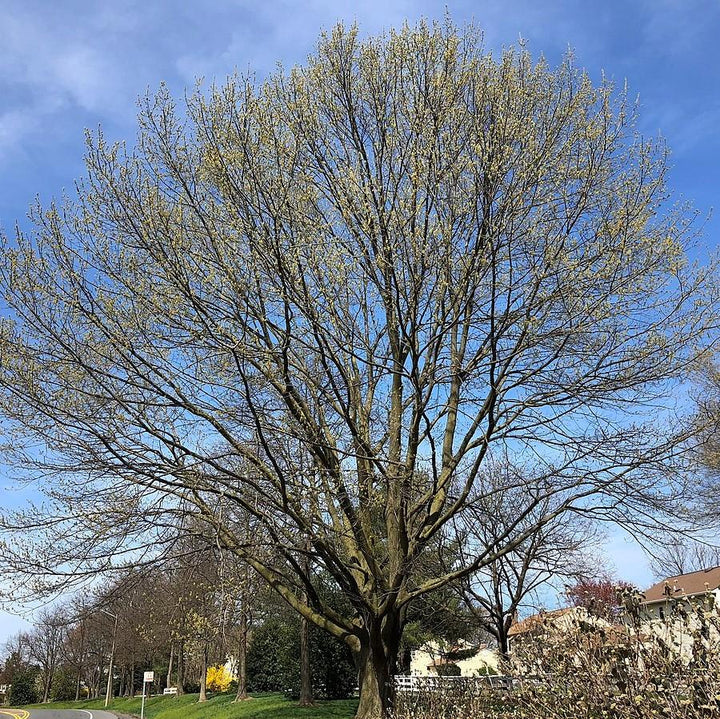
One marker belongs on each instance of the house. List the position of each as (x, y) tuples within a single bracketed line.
[(682, 612), (557, 618), (660, 599), (462, 659), (562, 640)]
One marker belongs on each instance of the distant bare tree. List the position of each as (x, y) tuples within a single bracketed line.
[(74, 651), (15, 656), (44, 643), (557, 550), (680, 555)]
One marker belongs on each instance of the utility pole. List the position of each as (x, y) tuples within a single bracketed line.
[(108, 691)]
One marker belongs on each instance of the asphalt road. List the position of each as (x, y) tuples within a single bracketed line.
[(55, 714)]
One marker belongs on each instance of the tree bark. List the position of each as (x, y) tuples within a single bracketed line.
[(168, 683), (503, 643), (181, 668), (203, 676), (306, 692), (46, 688), (98, 681), (242, 694), (81, 663), (376, 663), (373, 680)]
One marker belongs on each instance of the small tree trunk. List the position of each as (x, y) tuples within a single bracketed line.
[(502, 627), (203, 676), (82, 661), (181, 668), (168, 682), (242, 694), (503, 646), (98, 680), (306, 693), (131, 693)]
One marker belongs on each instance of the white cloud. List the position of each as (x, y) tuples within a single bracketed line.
[(47, 71), (86, 78), (13, 124)]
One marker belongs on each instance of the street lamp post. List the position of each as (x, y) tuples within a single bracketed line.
[(108, 691)]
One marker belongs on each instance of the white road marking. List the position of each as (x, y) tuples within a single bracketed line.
[(87, 712)]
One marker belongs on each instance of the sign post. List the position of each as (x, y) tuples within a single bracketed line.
[(148, 677)]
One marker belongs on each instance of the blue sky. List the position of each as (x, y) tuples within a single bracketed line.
[(67, 65)]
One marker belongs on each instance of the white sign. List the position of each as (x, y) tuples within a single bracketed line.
[(149, 677)]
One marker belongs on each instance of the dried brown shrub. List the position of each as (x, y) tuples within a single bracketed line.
[(587, 668)]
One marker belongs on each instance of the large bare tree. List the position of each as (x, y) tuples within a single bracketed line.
[(398, 260)]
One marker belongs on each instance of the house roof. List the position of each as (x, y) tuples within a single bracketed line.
[(607, 633), (535, 621), (683, 585)]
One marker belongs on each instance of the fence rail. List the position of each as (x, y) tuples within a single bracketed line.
[(464, 685)]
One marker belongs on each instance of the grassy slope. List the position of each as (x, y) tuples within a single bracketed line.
[(269, 706)]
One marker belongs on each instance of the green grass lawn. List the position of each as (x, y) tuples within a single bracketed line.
[(267, 706)]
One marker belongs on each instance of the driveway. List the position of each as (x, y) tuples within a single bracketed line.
[(55, 714)]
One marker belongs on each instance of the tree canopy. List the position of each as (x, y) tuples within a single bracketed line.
[(327, 300)]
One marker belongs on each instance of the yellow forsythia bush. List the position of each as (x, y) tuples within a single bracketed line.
[(218, 679)]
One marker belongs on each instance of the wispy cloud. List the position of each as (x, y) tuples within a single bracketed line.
[(49, 66), (690, 125), (95, 59), (680, 29)]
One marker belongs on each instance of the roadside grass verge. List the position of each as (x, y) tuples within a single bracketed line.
[(221, 706)]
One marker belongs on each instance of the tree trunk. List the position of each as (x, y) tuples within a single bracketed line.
[(203, 676), (373, 680), (98, 681), (131, 693), (503, 648), (181, 668), (81, 663), (502, 627), (46, 688), (306, 693), (242, 694), (376, 663), (168, 683)]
